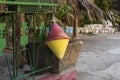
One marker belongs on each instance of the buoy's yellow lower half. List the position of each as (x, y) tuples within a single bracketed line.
[(58, 47)]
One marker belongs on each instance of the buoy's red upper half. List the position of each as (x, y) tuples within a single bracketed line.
[(56, 33)]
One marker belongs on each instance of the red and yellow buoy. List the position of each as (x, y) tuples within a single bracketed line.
[(57, 41)]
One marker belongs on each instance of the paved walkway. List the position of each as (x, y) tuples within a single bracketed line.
[(99, 58)]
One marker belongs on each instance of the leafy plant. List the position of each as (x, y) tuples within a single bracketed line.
[(64, 11), (103, 4)]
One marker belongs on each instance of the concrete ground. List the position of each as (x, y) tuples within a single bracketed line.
[(98, 60), (100, 57)]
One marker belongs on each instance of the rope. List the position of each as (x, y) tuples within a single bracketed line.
[(54, 19)]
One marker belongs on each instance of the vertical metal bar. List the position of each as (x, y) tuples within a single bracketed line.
[(33, 41), (14, 45), (29, 57), (37, 53), (8, 67), (19, 56), (34, 54), (38, 50)]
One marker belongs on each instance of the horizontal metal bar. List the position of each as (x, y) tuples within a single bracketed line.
[(28, 3), (31, 73), (8, 12)]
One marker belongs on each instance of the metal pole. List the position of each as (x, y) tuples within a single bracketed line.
[(33, 53), (14, 45)]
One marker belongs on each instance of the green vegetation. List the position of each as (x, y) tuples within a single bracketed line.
[(104, 4), (110, 5), (64, 10)]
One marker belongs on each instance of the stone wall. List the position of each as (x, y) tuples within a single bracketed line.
[(46, 57), (70, 58)]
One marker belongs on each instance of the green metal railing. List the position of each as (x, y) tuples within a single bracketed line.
[(29, 6), (28, 3), (32, 56)]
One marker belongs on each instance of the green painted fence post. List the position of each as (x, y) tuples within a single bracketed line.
[(2, 40)]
